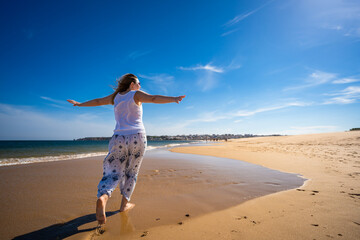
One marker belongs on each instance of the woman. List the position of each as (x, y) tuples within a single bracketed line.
[(128, 143)]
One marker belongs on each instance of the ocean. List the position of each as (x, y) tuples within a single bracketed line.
[(25, 152)]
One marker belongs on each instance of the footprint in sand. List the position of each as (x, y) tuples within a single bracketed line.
[(352, 195), (156, 172), (245, 217), (100, 229), (144, 234)]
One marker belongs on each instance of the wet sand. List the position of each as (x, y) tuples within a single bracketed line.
[(326, 207), (57, 199)]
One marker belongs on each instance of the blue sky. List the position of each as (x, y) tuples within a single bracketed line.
[(260, 67)]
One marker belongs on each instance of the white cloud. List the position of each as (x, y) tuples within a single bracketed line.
[(58, 103), (160, 78), (230, 32), (345, 80), (333, 27), (246, 113), (340, 16), (211, 68), (54, 100), (66, 105), (240, 18), (214, 116), (340, 100), (58, 106), (348, 95), (316, 78), (161, 81), (207, 79), (352, 90), (207, 67), (201, 123), (233, 65), (352, 32)]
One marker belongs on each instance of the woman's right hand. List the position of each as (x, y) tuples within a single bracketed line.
[(75, 103), (178, 99)]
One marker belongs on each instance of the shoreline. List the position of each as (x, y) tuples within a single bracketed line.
[(10, 161)]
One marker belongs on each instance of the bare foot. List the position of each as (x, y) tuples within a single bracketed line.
[(127, 207), (100, 211)]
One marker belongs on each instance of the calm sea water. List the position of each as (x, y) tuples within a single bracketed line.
[(21, 152)]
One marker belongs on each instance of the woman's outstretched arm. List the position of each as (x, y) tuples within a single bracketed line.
[(93, 103), (143, 97)]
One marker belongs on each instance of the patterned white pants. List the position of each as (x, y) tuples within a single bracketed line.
[(122, 164)]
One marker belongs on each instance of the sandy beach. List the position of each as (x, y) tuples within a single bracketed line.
[(55, 200), (327, 207), (288, 187)]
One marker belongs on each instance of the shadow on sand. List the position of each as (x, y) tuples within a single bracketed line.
[(63, 230)]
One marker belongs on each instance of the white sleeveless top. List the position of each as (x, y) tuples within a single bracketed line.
[(128, 115)]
